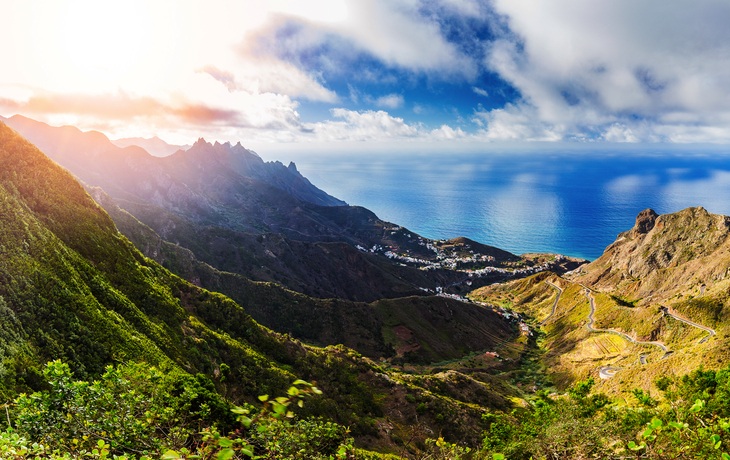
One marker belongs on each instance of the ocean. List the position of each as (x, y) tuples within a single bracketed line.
[(570, 202)]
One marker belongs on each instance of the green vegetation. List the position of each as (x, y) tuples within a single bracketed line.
[(691, 421), (134, 411), (623, 302), (137, 412), (73, 289)]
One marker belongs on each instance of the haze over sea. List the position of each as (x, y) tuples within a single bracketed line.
[(546, 201)]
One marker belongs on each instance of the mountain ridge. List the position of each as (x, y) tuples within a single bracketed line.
[(199, 199), (75, 289), (664, 281), (153, 145)]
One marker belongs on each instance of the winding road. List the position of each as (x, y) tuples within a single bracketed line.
[(608, 372), (710, 332), (555, 304), (627, 337)]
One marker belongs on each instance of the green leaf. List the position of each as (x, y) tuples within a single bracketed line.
[(725, 456), (170, 455), (279, 408), (225, 442), (245, 420), (225, 454), (656, 423), (698, 405), (634, 446), (498, 457), (264, 398)]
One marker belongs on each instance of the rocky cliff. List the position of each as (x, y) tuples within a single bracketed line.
[(663, 255)]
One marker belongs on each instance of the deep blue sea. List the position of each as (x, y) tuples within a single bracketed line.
[(572, 202)]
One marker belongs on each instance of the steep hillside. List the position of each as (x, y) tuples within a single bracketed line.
[(318, 269), (366, 327), (73, 288), (664, 256), (655, 303)]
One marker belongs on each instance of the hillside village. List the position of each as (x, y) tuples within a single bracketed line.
[(461, 257)]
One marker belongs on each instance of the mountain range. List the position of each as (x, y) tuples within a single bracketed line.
[(153, 145), (211, 256), (73, 288)]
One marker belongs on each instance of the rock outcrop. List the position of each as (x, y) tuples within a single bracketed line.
[(663, 253)]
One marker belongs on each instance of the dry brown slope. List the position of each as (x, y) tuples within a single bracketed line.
[(677, 261), (663, 256)]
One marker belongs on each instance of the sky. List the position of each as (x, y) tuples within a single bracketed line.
[(393, 72)]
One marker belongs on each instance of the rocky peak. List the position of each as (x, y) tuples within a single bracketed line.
[(200, 143), (668, 250), (644, 222)]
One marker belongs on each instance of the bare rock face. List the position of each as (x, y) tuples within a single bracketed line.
[(663, 253), (644, 222)]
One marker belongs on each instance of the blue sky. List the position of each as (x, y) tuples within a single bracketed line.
[(400, 72)]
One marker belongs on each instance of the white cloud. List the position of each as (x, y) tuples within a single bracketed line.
[(515, 122), (446, 132), (629, 71), (380, 126), (268, 75), (361, 126), (391, 101), (418, 109), (393, 31), (620, 133), (480, 91)]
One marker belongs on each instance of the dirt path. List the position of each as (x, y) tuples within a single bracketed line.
[(555, 304)]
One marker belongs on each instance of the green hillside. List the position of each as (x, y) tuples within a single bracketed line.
[(73, 289), (106, 353)]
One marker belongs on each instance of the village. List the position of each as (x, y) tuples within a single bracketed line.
[(472, 264), (469, 262)]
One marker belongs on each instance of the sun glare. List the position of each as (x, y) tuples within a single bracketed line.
[(104, 41)]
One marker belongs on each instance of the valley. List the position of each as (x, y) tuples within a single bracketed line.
[(592, 326), (216, 267)]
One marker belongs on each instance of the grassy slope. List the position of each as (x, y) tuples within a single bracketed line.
[(73, 288), (572, 352), (439, 334)]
